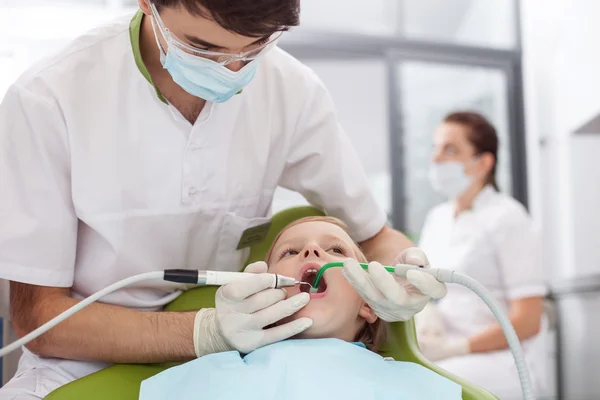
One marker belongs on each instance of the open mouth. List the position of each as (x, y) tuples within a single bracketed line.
[(309, 277)]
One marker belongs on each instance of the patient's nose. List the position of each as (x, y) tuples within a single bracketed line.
[(312, 251)]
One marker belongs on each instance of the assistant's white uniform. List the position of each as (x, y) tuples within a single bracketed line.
[(496, 244), (101, 180)]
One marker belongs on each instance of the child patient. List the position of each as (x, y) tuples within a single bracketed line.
[(333, 359), (336, 309)]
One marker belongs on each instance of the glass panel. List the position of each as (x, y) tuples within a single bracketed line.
[(428, 92), (366, 123), (380, 17), (466, 22)]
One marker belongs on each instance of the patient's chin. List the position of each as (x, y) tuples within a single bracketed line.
[(319, 329), (321, 326), (303, 335), (311, 333), (308, 311), (303, 313)]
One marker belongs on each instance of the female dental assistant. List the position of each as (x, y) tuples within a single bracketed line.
[(157, 142), (490, 237)]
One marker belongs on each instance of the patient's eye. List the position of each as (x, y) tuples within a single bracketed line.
[(337, 249), (288, 252)]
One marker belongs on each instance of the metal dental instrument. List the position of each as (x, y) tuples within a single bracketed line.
[(189, 276)]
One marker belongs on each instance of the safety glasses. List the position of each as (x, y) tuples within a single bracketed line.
[(218, 57)]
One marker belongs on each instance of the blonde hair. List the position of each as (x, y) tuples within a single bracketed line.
[(371, 335)]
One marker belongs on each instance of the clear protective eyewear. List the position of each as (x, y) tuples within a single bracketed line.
[(218, 57)]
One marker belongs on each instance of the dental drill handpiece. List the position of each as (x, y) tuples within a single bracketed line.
[(189, 276), (219, 278)]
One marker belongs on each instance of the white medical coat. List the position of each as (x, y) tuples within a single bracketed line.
[(496, 243), (101, 180)]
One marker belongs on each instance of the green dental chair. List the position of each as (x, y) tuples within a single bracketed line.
[(122, 381)]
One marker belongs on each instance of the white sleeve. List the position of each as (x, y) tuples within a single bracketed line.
[(38, 232), (519, 254), (323, 166)]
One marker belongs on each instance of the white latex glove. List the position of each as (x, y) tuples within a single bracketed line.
[(242, 310), (391, 297), (436, 348)]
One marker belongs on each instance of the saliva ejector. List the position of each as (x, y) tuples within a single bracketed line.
[(196, 277)]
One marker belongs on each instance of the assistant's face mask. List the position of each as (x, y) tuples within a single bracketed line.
[(449, 178), (201, 76)]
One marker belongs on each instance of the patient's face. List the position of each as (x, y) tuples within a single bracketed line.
[(337, 310)]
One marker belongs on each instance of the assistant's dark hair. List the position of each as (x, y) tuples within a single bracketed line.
[(252, 18), (481, 134)]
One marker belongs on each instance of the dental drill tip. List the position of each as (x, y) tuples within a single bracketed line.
[(302, 283)]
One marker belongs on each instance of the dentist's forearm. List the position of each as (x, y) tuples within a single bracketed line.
[(385, 246), (100, 332)]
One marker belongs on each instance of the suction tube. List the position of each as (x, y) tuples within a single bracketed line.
[(78, 307)]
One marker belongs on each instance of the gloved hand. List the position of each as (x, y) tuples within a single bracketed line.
[(242, 310), (394, 298), (439, 348)]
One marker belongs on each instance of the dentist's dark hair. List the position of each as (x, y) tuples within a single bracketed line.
[(252, 18), (481, 134)]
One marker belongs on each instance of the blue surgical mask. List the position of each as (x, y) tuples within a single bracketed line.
[(205, 78), (201, 76)]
